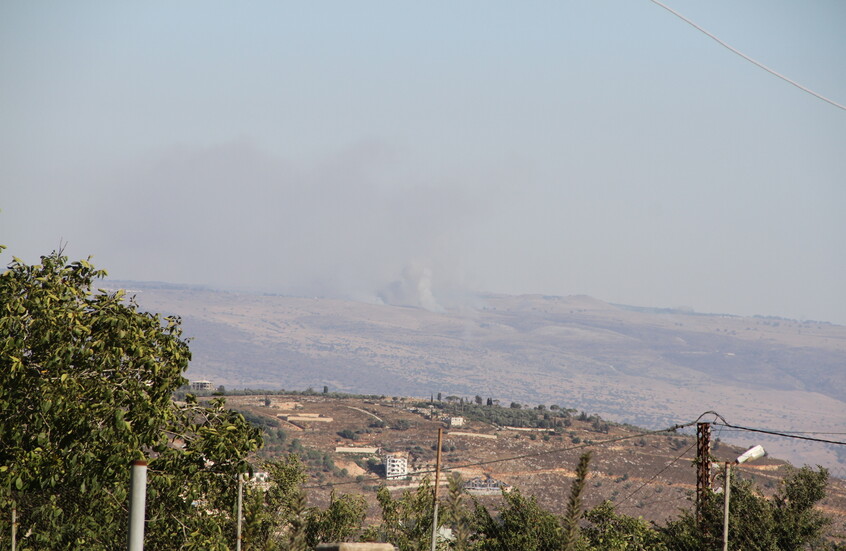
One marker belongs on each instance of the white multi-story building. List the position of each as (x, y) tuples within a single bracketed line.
[(201, 385), (396, 465)]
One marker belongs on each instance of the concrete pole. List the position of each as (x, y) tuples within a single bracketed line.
[(726, 509), (435, 493), (137, 503), (240, 504)]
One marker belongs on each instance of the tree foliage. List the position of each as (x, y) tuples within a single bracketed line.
[(786, 522), (86, 380), (607, 530), (522, 524), (455, 514), (341, 521), (406, 521), (574, 504)]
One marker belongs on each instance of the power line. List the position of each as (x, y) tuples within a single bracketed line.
[(747, 58), (783, 434), (525, 455), (642, 504), (656, 475), (813, 432), (673, 428)]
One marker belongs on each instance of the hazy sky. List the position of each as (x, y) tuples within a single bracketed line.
[(334, 148)]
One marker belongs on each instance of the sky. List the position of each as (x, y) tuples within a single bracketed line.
[(417, 152)]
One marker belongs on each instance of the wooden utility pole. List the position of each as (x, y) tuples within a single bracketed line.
[(435, 491), (703, 465)]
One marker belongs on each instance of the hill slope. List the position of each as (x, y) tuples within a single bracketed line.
[(649, 475), (645, 367)]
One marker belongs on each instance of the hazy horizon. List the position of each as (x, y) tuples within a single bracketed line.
[(419, 153)]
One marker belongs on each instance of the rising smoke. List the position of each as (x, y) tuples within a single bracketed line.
[(413, 289), (352, 226)]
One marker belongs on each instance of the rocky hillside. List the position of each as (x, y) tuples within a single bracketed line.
[(646, 367), (643, 473)]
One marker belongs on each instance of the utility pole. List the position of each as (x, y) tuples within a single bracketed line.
[(137, 505), (726, 507), (239, 512), (14, 525), (703, 466), (435, 492)]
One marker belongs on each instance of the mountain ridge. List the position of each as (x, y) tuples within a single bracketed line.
[(645, 368)]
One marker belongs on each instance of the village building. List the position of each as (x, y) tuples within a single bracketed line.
[(201, 385), (396, 465), (486, 486)]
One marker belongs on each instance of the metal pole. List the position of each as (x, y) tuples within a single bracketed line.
[(14, 526), (435, 493), (240, 502), (726, 509), (137, 502)]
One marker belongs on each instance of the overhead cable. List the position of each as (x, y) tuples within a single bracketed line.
[(526, 455), (656, 475), (749, 59), (782, 434)]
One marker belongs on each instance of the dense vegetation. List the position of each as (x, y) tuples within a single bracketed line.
[(788, 521), (516, 415), (86, 385)]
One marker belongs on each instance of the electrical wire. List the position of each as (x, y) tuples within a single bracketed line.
[(783, 434), (656, 475), (747, 58), (813, 432), (525, 455), (642, 504), (787, 432), (673, 428)]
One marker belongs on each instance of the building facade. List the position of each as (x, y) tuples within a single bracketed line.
[(201, 385), (396, 465), (456, 422)]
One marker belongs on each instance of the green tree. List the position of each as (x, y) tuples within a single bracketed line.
[(574, 505), (339, 522), (274, 515), (522, 524), (608, 531), (797, 521), (407, 521), (455, 514), (348, 434), (786, 522), (85, 387)]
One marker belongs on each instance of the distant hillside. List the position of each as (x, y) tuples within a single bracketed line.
[(535, 450), (648, 367)]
